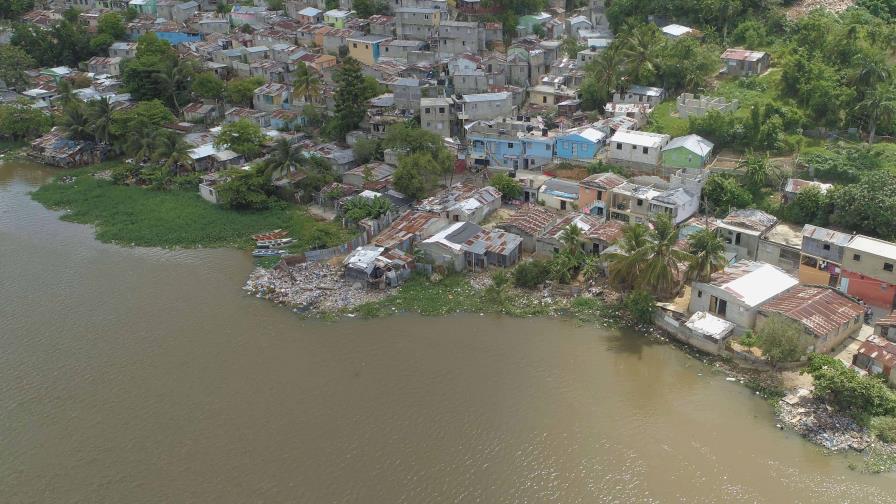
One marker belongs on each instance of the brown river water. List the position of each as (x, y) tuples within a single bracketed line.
[(147, 376)]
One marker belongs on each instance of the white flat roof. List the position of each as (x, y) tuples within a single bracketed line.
[(873, 246), (761, 284), (709, 325), (640, 138)]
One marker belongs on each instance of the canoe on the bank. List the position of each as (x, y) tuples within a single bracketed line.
[(264, 244), (267, 252), (271, 235)]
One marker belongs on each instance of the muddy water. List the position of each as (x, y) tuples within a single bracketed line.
[(141, 375)]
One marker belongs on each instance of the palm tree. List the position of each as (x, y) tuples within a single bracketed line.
[(140, 146), (591, 268), (172, 81), (640, 52), (625, 265), (872, 71), (757, 170), (76, 122), (66, 93), (606, 68), (708, 251), (171, 151), (660, 274), (879, 106), (571, 236), (562, 266), (306, 84), (100, 114), (283, 159)]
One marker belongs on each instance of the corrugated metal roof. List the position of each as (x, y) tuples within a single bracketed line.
[(820, 309), (530, 219)]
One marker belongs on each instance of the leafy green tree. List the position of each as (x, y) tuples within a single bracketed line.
[(111, 24), (13, 63), (531, 274), (243, 137), (143, 119), (65, 43), (867, 206), (155, 72), (100, 44), (654, 266), (809, 206), (602, 77), (879, 106), (246, 190), (708, 252), (571, 47), (782, 339), (367, 150), (723, 193), (859, 396), (509, 188), (207, 85), (410, 178), (757, 171), (640, 305), (350, 97), (686, 64), (22, 121), (13, 9), (497, 291), (239, 92), (367, 8)]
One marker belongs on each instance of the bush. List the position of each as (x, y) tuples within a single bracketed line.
[(749, 339), (640, 305), (884, 428), (510, 188), (531, 274), (861, 397), (782, 339)]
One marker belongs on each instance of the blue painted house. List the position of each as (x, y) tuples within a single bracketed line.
[(538, 150), (175, 38), (580, 144), (496, 151)]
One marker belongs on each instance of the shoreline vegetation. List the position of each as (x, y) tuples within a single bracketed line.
[(139, 216)]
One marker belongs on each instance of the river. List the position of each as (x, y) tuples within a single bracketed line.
[(144, 376)]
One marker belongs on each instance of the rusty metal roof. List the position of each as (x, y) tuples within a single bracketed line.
[(887, 320), (530, 219), (603, 180), (826, 235), (880, 350), (412, 225), (822, 310), (750, 218)]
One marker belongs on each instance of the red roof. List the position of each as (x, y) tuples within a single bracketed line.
[(822, 310)]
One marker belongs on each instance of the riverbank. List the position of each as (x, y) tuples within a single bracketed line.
[(137, 216)]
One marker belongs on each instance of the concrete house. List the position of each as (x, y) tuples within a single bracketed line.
[(691, 152), (597, 234), (741, 62), (674, 31), (371, 173), (868, 271), (464, 245), (538, 149), (459, 37), (826, 315), (367, 48), (399, 49), (108, 66), (643, 198), (652, 96), (595, 193), (576, 24), (639, 150), (529, 222), (581, 144), (485, 106), (439, 116), (417, 23), (463, 203), (309, 15), (780, 246), (337, 17), (409, 229), (123, 50), (272, 96), (742, 229), (378, 267), (793, 186), (736, 293), (408, 92), (821, 255), (204, 113), (559, 194), (548, 97), (183, 11)]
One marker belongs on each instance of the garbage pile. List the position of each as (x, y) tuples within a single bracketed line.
[(820, 424), (310, 287)]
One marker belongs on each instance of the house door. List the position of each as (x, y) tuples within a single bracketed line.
[(718, 306), (526, 196), (562, 204), (844, 284)]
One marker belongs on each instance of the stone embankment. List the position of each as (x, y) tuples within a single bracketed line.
[(310, 287)]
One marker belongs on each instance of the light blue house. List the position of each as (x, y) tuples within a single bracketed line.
[(496, 151), (581, 144), (538, 150)]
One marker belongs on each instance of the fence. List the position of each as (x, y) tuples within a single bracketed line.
[(369, 229)]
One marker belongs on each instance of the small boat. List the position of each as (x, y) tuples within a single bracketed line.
[(270, 235), (263, 244), (267, 253)]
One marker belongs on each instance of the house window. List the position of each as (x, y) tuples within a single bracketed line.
[(426, 111), (634, 147), (699, 293), (737, 239), (856, 257), (562, 204), (826, 246), (640, 202), (644, 150), (600, 195), (544, 99), (509, 145), (718, 306), (354, 45), (888, 266), (441, 110), (618, 146)]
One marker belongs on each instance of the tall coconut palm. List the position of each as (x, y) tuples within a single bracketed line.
[(661, 271), (65, 93), (708, 253), (641, 53), (879, 106), (607, 69), (100, 114), (871, 71), (173, 80), (625, 266), (284, 159), (75, 121), (757, 170), (306, 83), (590, 268), (141, 147), (171, 151)]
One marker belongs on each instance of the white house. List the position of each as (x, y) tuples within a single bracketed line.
[(637, 148)]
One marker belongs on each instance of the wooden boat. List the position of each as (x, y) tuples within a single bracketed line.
[(271, 235), (267, 253), (265, 244)]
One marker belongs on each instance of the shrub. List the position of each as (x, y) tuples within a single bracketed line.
[(749, 339), (640, 305), (884, 428), (531, 274), (782, 339), (862, 397)]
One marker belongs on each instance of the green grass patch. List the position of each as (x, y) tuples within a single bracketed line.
[(142, 217), (662, 120), (752, 91)]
